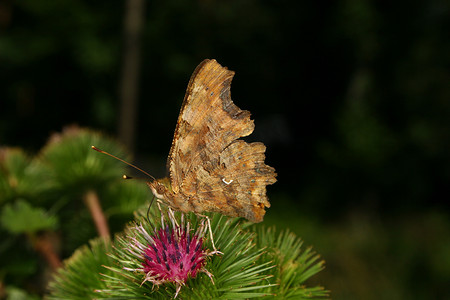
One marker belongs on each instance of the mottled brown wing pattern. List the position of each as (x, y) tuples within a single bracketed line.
[(237, 187), (210, 169)]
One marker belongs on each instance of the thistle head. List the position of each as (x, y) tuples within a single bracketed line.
[(170, 253)]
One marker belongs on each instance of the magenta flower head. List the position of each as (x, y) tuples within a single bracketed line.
[(171, 253), (155, 259)]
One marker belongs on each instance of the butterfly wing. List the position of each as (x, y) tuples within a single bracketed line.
[(208, 165)]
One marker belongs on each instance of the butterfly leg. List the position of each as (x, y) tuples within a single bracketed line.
[(208, 222)]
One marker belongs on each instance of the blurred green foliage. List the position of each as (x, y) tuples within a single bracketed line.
[(42, 215), (350, 97), (22, 218)]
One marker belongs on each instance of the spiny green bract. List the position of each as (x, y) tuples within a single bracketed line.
[(256, 262)]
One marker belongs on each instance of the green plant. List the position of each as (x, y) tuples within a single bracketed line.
[(255, 262), (54, 202)]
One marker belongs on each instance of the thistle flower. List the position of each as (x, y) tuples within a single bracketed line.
[(256, 262), (170, 254)]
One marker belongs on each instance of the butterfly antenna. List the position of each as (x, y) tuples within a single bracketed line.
[(131, 165)]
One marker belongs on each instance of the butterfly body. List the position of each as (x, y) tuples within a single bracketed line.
[(210, 168)]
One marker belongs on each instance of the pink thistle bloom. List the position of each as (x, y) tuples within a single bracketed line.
[(171, 254)]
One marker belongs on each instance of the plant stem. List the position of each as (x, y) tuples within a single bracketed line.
[(44, 245), (93, 203)]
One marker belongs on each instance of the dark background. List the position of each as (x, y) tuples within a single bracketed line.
[(350, 97)]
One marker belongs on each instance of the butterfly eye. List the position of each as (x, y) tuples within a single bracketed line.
[(160, 189)]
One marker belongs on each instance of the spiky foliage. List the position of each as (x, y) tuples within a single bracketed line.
[(83, 273), (24, 187), (81, 174), (73, 164), (21, 176), (294, 265), (255, 263), (124, 198), (43, 216)]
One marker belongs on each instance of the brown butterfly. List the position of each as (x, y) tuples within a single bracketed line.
[(210, 168)]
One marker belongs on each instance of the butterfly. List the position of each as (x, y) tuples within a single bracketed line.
[(210, 168)]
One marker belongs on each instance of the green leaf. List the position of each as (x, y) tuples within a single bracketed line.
[(13, 293), (21, 176), (21, 217)]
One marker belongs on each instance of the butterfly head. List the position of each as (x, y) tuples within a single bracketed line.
[(159, 188)]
